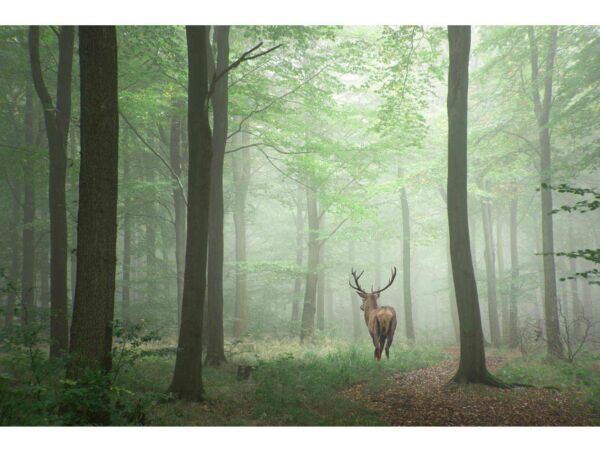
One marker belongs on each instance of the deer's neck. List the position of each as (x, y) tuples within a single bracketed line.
[(370, 305)]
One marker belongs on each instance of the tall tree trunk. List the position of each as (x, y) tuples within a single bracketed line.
[(490, 269), (299, 252), (354, 304), (150, 215), (577, 307), (28, 242), (187, 377), (321, 285), (408, 315), (93, 309), (126, 287), (310, 292), (542, 112), (178, 200), (215, 346), (241, 169), (513, 330), (472, 368), (57, 122), (504, 313), (13, 275)]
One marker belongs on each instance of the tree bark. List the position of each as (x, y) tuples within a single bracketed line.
[(472, 367), (57, 122), (28, 269), (299, 252), (187, 377), (513, 330), (490, 269), (215, 347), (542, 112), (91, 330), (241, 179), (408, 315)]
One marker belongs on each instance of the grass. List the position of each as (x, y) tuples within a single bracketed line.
[(581, 379), (290, 384)]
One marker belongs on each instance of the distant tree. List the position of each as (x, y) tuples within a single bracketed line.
[(91, 330), (408, 315), (542, 109), (472, 366), (187, 377), (57, 119)]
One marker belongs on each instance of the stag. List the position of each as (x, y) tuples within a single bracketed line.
[(380, 320)]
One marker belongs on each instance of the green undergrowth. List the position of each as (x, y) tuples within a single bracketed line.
[(580, 379), (289, 384)]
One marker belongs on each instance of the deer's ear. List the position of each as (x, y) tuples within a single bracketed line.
[(362, 295)]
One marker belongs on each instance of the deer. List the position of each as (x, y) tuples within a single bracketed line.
[(381, 320)]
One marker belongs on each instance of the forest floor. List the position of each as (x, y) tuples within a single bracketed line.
[(423, 397)]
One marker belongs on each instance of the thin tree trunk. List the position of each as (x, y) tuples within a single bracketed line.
[(513, 330), (187, 377), (542, 113), (321, 285), (408, 314), (354, 304), (504, 313), (310, 292), (241, 169), (28, 241), (126, 287), (91, 331), (215, 346), (178, 201), (577, 307), (299, 252), (57, 122), (472, 367), (490, 268), (11, 297)]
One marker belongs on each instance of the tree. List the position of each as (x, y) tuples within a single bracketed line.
[(542, 108), (91, 329), (472, 366), (513, 330), (28, 240), (408, 316), (490, 269), (57, 120), (215, 353), (187, 377)]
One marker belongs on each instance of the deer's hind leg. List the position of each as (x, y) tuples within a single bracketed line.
[(390, 339)]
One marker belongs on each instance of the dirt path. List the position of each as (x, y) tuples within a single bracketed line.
[(423, 397)]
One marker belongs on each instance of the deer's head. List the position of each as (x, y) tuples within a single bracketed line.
[(369, 298)]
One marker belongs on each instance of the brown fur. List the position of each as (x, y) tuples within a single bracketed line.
[(381, 322)]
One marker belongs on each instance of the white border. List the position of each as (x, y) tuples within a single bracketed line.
[(301, 12)]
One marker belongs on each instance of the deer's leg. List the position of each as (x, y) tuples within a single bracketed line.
[(388, 345)]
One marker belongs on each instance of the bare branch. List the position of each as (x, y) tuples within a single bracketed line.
[(158, 155)]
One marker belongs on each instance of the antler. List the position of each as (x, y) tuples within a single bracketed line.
[(357, 287), (389, 283)]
